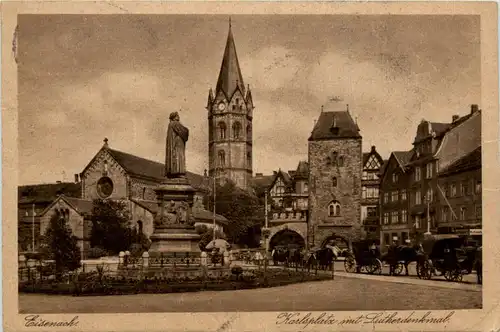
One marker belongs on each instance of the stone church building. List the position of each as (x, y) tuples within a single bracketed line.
[(113, 174)]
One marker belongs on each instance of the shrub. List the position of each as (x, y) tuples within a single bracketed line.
[(97, 252)]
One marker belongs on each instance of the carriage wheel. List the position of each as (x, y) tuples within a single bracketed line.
[(424, 270), (398, 269), (376, 267), (448, 275), (350, 265)]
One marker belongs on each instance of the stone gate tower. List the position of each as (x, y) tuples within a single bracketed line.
[(230, 110)]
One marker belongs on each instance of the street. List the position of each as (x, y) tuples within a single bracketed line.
[(343, 293)]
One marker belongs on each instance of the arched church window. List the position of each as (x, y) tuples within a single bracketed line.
[(222, 130), (334, 181), (334, 209), (236, 130), (222, 158), (249, 159), (139, 226), (341, 161), (249, 131), (333, 158)]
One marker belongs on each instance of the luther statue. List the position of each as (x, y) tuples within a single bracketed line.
[(175, 158)]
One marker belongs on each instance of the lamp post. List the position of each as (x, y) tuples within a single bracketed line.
[(266, 232), (428, 201), (33, 227), (215, 177)]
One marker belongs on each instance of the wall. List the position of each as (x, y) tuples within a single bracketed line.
[(460, 141), (139, 213), (76, 222), (143, 189), (347, 192), (95, 171)]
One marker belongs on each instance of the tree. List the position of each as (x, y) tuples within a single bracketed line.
[(243, 209), (111, 226), (207, 235), (60, 245)]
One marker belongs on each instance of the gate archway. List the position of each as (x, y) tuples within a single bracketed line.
[(286, 237), (339, 240)]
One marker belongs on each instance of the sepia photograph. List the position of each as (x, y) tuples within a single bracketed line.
[(242, 162)]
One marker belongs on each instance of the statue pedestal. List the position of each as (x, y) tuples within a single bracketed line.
[(173, 225)]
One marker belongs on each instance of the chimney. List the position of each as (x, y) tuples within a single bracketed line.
[(474, 108), (205, 173), (455, 118), (274, 172), (77, 178), (373, 148), (259, 175)]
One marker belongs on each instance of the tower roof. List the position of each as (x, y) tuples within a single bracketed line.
[(332, 125), (230, 74)]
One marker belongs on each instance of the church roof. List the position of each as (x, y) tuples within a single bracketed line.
[(142, 167), (230, 76), (324, 128)]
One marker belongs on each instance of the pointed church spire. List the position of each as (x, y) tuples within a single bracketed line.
[(230, 74)]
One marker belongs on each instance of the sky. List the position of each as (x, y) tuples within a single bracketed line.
[(82, 78)]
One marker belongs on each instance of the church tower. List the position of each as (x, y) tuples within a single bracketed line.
[(230, 110)]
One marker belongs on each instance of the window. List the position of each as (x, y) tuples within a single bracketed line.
[(404, 216), (371, 211), (222, 158), (249, 131), (371, 192), (386, 239), (430, 195), (395, 195), (363, 192), (386, 197), (418, 197), (222, 130), (236, 130), (334, 209), (478, 187), (249, 159), (365, 175), (334, 158), (417, 222), (394, 217), (334, 181), (445, 212), (386, 218), (428, 170), (465, 188), (453, 190), (394, 177), (446, 190), (403, 195), (341, 161), (373, 163), (417, 174), (478, 211), (463, 213), (306, 187), (143, 193), (139, 227)]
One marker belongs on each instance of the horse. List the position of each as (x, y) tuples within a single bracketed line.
[(295, 257), (325, 258), (402, 253), (280, 255), (478, 265)]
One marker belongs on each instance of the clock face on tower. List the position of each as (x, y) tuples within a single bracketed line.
[(221, 106)]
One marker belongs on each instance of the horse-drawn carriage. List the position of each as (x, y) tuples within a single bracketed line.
[(365, 255), (447, 254)]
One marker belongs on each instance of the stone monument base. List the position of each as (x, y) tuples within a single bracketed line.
[(174, 240), (180, 235)]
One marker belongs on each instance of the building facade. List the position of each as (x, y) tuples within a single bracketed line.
[(335, 169), (461, 207), (437, 148), (230, 112), (394, 203), (370, 187)]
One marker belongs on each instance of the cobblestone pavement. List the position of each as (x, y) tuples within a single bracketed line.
[(331, 295)]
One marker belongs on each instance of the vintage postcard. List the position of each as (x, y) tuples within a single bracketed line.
[(250, 166)]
